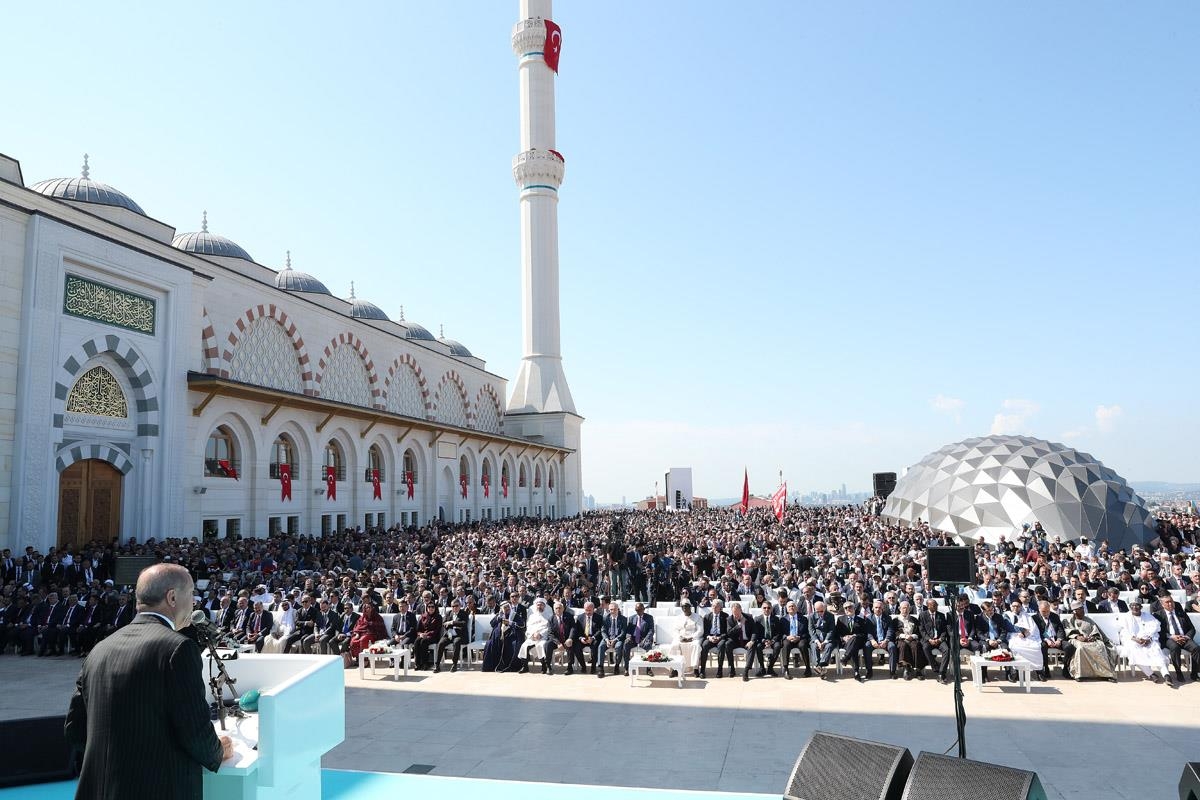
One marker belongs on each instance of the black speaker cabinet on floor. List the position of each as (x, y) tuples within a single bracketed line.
[(34, 751), (1189, 783), (884, 483), (951, 564), (938, 777), (832, 767)]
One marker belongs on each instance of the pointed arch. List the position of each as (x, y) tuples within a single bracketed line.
[(130, 361), (338, 383), (242, 326), (68, 455), (405, 390), (488, 411), (450, 401)]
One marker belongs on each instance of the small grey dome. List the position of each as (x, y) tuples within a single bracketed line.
[(293, 280), (415, 331), (209, 244), (85, 190), (456, 348), (365, 309)]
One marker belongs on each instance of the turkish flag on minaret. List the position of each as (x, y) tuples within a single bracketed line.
[(553, 46)]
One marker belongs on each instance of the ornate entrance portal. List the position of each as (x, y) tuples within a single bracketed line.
[(89, 503)]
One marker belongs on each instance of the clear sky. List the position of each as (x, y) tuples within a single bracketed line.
[(818, 238)]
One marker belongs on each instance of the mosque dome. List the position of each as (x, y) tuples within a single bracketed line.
[(85, 190), (204, 243), (413, 330), (365, 309), (456, 348), (293, 280), (991, 486)]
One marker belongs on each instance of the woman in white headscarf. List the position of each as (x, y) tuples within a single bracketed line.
[(1139, 642), (687, 639), (1024, 638)]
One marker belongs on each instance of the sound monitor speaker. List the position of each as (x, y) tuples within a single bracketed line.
[(35, 751), (938, 777), (832, 767), (127, 568), (884, 482), (1189, 782), (950, 564)]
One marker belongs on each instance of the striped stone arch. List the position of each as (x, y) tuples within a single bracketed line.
[(270, 311), (82, 452), (407, 360), (137, 373), (490, 391), (453, 377), (349, 338), (208, 345)]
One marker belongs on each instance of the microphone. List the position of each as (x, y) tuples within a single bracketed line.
[(202, 624)]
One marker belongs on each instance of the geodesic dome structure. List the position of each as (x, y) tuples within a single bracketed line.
[(988, 486)]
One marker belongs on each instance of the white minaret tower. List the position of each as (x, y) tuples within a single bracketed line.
[(538, 170), (541, 408)]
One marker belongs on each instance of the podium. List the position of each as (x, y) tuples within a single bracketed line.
[(301, 716)]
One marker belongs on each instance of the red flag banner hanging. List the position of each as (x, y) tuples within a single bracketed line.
[(504, 486), (779, 501), (408, 481), (331, 482), (553, 46), (745, 492), (462, 482), (228, 469), (285, 481), (376, 485), (486, 484)]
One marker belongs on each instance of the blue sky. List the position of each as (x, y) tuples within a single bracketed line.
[(818, 238)]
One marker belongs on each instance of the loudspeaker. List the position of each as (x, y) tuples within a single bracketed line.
[(950, 564), (127, 568), (1189, 782), (938, 777), (832, 767), (35, 751), (885, 483)]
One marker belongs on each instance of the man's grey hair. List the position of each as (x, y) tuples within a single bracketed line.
[(154, 582)]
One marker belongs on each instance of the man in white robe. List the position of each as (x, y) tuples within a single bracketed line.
[(1025, 638), (687, 638), (536, 630), (1139, 642)]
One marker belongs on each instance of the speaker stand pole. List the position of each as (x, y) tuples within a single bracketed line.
[(960, 713)]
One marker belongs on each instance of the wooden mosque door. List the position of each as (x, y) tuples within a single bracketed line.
[(89, 503)]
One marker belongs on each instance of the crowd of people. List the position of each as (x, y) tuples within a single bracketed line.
[(834, 582)]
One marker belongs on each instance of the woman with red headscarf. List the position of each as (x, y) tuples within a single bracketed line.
[(368, 630)]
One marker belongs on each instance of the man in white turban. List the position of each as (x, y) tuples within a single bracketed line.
[(536, 631)]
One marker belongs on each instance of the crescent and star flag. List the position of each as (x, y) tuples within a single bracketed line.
[(553, 46), (228, 469), (376, 486), (779, 501), (486, 484), (285, 481), (745, 492), (331, 483), (408, 481), (462, 481), (504, 486)]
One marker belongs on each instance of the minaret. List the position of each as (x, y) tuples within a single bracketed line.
[(541, 385)]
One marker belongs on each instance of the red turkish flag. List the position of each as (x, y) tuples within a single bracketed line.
[(376, 486), (462, 481), (331, 482), (486, 484), (228, 469), (553, 46), (408, 480), (745, 492), (285, 481), (779, 501), (504, 486)]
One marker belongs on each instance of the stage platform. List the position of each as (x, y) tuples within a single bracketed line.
[(347, 785)]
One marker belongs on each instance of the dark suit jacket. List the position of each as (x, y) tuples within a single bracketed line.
[(821, 627), (933, 627), (265, 623), (1185, 625), (852, 626), (772, 628), (888, 636), (981, 629), (597, 625), (1045, 623), (410, 628), (1107, 607), (141, 716), (722, 625), (647, 639)]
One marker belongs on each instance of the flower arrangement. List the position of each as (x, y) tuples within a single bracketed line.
[(380, 647), (998, 655), (657, 657)]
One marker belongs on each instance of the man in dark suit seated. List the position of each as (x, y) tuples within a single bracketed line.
[(404, 626), (17, 619), (454, 636), (91, 626), (851, 632), (639, 633), (795, 639), (311, 641), (1176, 633), (338, 631), (879, 637), (935, 639), (612, 639), (822, 627), (1053, 635), (68, 628), (587, 636), (1113, 604), (140, 713), (991, 631), (258, 627), (765, 638), (716, 636), (47, 616)]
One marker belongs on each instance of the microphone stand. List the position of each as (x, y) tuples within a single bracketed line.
[(217, 682)]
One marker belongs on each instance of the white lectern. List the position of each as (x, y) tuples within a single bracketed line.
[(301, 716)]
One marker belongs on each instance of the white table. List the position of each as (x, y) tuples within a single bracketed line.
[(638, 663), (1022, 667), (393, 657)]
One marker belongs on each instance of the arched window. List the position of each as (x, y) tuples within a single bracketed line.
[(283, 451), (485, 473), (537, 477), (334, 458), (521, 480), (410, 467), (220, 455), (550, 480), (505, 480), (464, 469), (375, 462)]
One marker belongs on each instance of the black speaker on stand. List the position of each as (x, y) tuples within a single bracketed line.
[(953, 567), (938, 777), (833, 767), (35, 751), (884, 483)]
